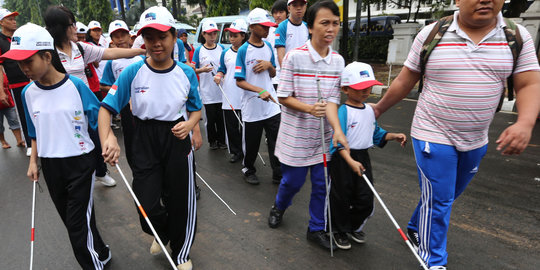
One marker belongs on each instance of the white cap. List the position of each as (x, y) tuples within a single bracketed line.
[(358, 76), (94, 25), (260, 16), (158, 18), (81, 28), (209, 26), (238, 26), (28, 40), (290, 1), (117, 25), (5, 13)]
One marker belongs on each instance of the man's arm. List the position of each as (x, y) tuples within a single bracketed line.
[(280, 54), (514, 139), (3, 96), (398, 90), (263, 94)]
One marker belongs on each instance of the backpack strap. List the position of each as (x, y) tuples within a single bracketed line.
[(430, 43), (515, 42), (80, 49)]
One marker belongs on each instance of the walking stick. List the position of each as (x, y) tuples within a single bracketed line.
[(156, 236), (237, 117), (198, 175), (407, 241), (32, 231), (326, 172)]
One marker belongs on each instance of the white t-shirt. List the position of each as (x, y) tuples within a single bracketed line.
[(233, 92), (291, 36), (203, 56), (253, 108), (103, 44), (75, 65), (272, 40), (113, 68), (59, 116)]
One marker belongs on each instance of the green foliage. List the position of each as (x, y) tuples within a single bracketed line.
[(264, 4), (94, 10), (135, 11), (29, 10), (372, 48), (222, 7)]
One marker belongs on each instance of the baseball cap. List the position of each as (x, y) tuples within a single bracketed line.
[(28, 40), (238, 26), (209, 26), (5, 13), (94, 25), (81, 28), (260, 16), (290, 1), (358, 76), (158, 18), (117, 25)]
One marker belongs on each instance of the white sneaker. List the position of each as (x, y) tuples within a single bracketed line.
[(106, 180), (185, 266), (28, 151), (155, 249)]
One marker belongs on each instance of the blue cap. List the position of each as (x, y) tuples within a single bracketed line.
[(181, 31)]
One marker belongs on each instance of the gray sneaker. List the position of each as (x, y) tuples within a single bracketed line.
[(252, 179), (358, 237)]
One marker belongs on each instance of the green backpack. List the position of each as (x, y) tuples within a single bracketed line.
[(513, 38)]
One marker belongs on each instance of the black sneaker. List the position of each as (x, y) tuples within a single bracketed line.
[(105, 255), (222, 146), (358, 237), (235, 158), (413, 237), (252, 179), (342, 241), (197, 192), (320, 238), (275, 217), (214, 146)]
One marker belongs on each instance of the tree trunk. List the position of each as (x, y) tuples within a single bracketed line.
[(368, 29), (417, 10), (142, 5), (344, 43), (410, 10), (357, 29), (174, 9), (122, 10)]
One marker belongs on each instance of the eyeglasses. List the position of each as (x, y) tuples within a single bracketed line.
[(73, 25)]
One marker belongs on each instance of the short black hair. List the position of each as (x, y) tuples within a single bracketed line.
[(55, 59), (314, 9), (280, 5), (57, 21)]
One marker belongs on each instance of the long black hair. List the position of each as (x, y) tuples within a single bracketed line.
[(57, 21)]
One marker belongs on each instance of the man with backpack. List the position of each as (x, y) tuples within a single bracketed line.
[(465, 61)]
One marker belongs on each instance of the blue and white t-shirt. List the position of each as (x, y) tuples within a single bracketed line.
[(272, 40), (179, 52), (113, 68), (164, 95), (360, 127), (58, 117), (203, 56), (291, 36), (233, 92), (253, 108)]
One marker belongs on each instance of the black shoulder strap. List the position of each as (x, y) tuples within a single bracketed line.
[(430, 43), (515, 42), (80, 48)]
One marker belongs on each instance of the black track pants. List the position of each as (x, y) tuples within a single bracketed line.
[(215, 130), (252, 138), (233, 128)]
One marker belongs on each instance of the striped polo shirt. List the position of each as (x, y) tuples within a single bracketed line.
[(299, 138), (463, 84), (75, 64)]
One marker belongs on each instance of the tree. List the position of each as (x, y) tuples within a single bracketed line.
[(29, 10), (201, 3), (222, 7), (94, 10), (135, 11)]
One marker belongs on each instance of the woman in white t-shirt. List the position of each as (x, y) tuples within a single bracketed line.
[(61, 24)]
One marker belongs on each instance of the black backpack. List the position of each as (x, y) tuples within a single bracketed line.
[(513, 37)]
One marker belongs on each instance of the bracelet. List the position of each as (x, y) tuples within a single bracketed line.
[(260, 93)]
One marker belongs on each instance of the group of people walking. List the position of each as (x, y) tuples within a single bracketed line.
[(160, 85)]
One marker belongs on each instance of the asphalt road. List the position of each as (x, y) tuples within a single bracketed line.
[(494, 223)]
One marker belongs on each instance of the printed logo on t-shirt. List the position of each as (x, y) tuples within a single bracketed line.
[(238, 69), (81, 144), (77, 128), (78, 135), (112, 91), (353, 124), (141, 89), (35, 114)]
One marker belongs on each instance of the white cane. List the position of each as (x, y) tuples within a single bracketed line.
[(237, 117), (146, 218), (326, 173), (33, 229), (407, 241)]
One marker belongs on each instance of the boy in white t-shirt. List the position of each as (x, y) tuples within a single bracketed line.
[(351, 199), (293, 32), (255, 67)]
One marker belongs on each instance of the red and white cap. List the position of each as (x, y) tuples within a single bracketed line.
[(358, 76), (117, 25), (290, 1), (28, 40), (158, 18), (260, 16), (81, 28), (94, 25), (209, 26), (6, 13), (238, 26)]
